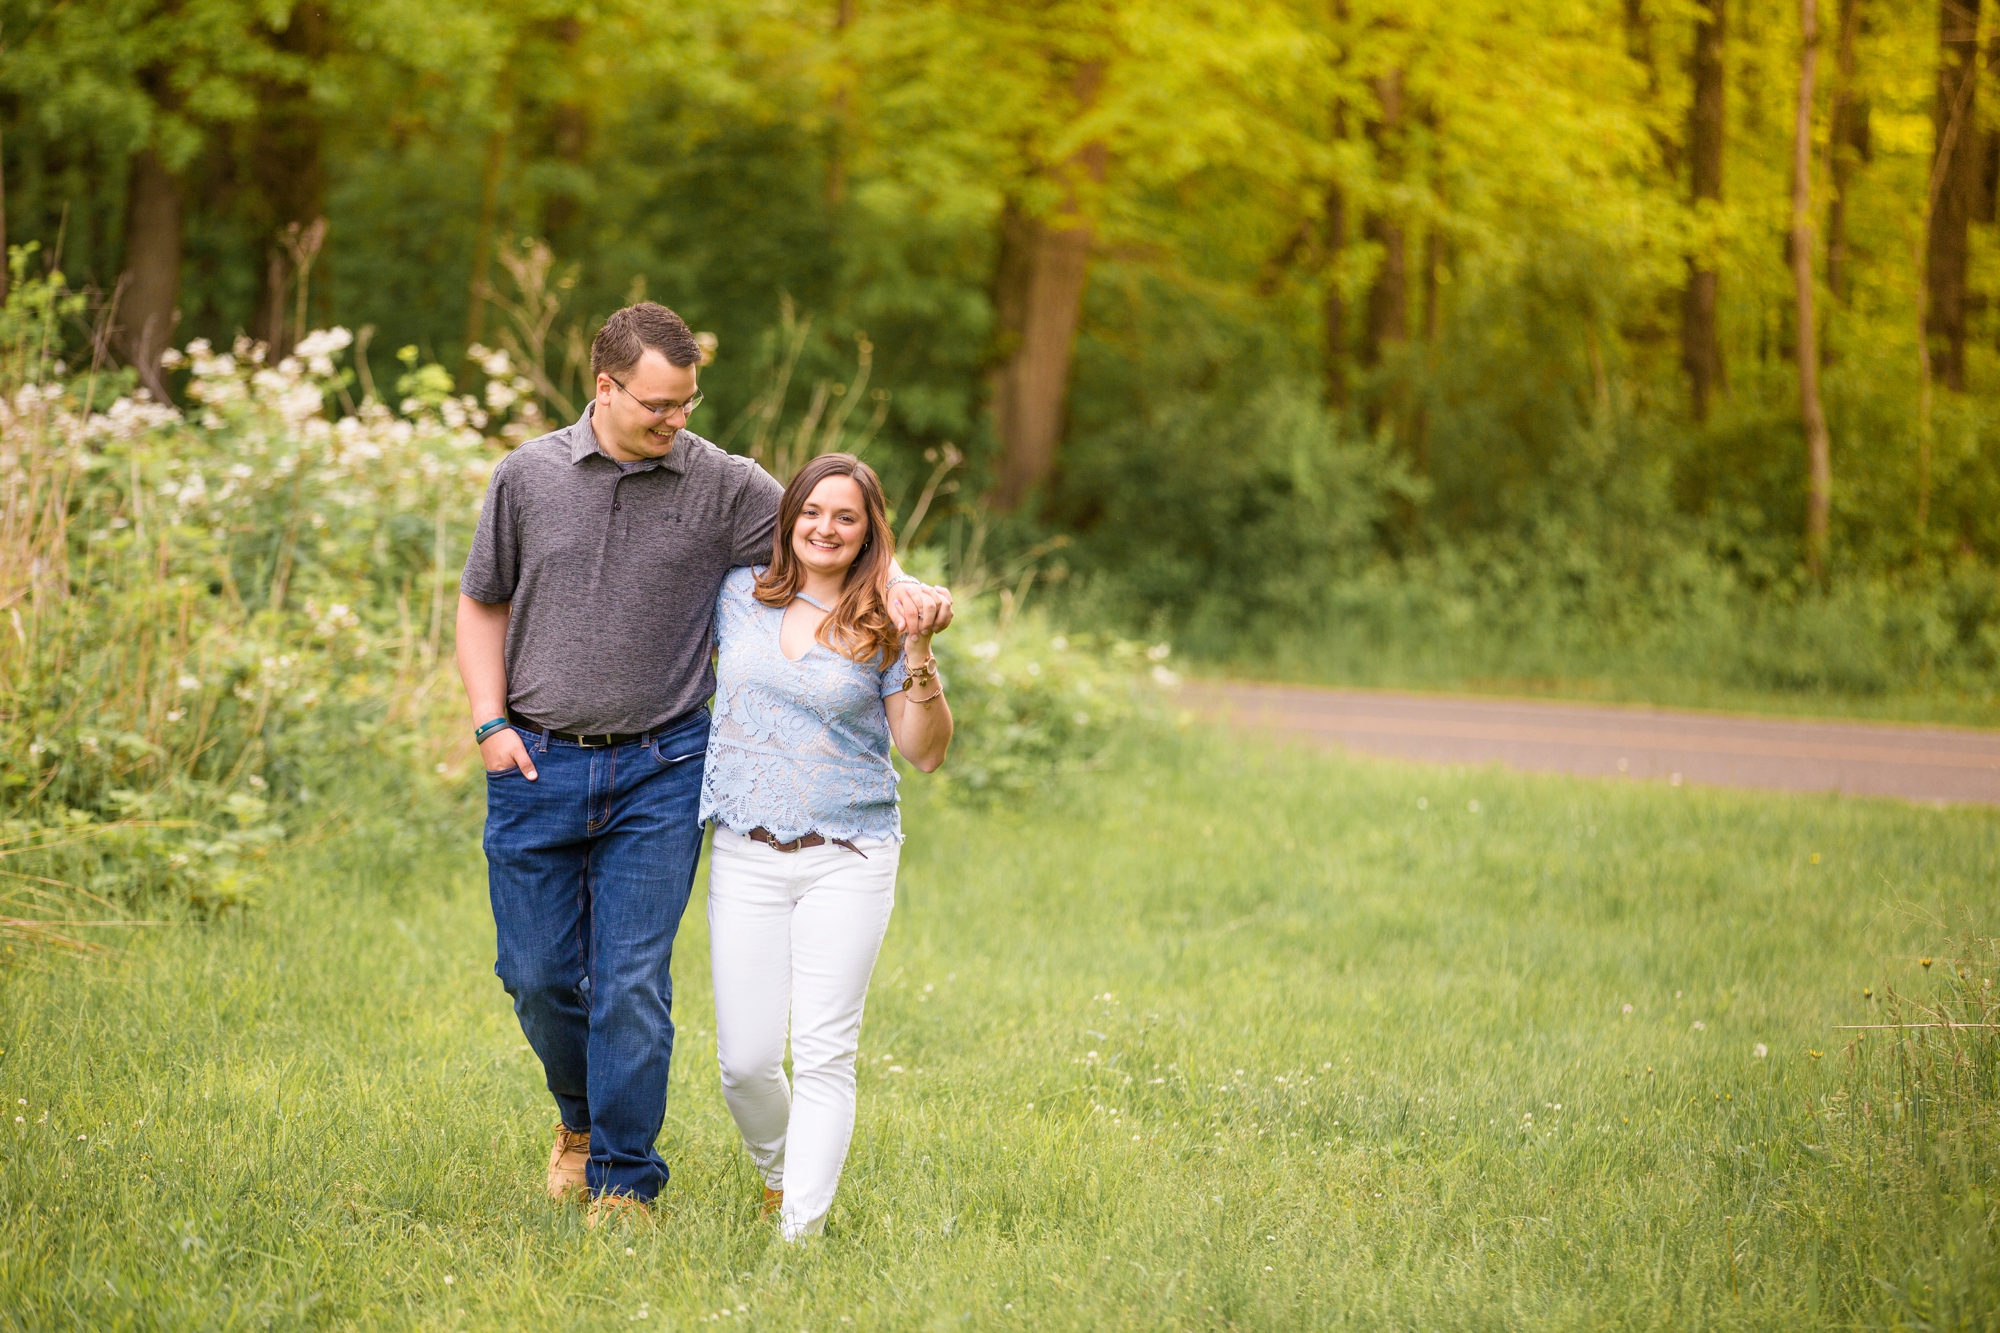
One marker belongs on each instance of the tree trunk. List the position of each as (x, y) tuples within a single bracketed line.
[(152, 272), (1388, 296), (1333, 307), (482, 235), (836, 158), (1038, 298), (1847, 145), (1040, 302), (1955, 173), (1701, 349), (569, 132), (285, 156), (1819, 477), (1433, 284), (5, 272)]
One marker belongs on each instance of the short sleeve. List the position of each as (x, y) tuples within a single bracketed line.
[(896, 676), (493, 566), (734, 597), (755, 518)]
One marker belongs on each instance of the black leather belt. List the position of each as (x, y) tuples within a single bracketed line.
[(594, 740)]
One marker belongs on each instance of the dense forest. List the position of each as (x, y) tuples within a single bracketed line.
[(1280, 314)]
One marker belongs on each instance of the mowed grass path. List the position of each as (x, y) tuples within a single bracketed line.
[(1213, 1037)]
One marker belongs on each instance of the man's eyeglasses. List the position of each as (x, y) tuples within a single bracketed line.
[(662, 409)]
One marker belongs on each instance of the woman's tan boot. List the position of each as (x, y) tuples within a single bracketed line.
[(773, 1201)]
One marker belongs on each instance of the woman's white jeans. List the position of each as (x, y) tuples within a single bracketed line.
[(794, 935)]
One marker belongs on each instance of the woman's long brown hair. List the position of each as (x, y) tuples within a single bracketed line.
[(858, 626)]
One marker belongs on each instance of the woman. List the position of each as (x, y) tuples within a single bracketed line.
[(812, 683)]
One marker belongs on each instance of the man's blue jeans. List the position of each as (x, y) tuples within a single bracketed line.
[(590, 867)]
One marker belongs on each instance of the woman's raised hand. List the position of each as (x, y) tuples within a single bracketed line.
[(919, 609)]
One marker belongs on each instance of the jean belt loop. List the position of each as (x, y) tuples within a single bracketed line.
[(543, 748)]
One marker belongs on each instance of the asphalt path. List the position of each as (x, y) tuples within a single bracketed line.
[(1930, 764)]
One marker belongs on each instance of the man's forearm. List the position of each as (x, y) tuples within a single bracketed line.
[(482, 656)]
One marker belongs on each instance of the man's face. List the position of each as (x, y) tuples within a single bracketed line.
[(624, 425)]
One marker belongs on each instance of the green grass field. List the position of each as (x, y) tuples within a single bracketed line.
[(1212, 1037)]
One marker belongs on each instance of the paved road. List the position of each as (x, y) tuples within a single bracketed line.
[(1632, 744)]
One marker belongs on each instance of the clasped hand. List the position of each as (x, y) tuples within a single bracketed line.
[(918, 610)]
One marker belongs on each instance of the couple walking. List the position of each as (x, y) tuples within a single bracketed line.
[(625, 570)]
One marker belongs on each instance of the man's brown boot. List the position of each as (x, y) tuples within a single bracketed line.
[(566, 1161), (773, 1201), (612, 1209)]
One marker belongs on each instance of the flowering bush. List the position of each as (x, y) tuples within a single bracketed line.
[(1029, 702), (210, 613)]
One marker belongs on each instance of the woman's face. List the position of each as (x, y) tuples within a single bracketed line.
[(831, 528)]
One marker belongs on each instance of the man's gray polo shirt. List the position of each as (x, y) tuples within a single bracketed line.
[(613, 575)]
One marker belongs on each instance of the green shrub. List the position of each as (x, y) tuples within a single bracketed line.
[(1030, 703), (214, 616)]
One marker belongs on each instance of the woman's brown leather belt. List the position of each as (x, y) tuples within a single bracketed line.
[(770, 839)]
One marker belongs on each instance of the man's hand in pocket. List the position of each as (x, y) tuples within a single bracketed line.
[(503, 750)]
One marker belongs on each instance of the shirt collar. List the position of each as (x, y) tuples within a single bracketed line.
[(583, 443)]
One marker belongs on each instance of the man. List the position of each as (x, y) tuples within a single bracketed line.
[(584, 623)]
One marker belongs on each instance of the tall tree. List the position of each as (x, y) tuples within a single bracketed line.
[(148, 86), (569, 126), (1333, 304), (1847, 147), (1701, 348), (287, 164), (492, 171), (1819, 466), (843, 110), (1954, 190), (149, 288), (1037, 301), (1388, 321)]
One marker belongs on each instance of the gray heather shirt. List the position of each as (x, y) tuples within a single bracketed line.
[(613, 574)]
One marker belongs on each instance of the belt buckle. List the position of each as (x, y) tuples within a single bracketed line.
[(596, 740)]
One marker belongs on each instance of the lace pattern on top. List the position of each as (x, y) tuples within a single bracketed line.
[(796, 747)]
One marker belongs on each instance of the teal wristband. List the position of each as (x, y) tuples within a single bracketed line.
[(485, 729)]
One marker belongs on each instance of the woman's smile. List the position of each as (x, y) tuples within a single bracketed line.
[(831, 528)]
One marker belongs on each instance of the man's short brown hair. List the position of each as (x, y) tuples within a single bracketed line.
[(628, 333)]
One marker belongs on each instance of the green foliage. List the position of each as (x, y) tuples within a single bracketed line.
[(865, 160), (1030, 704), (213, 614), (1220, 514), (1376, 1056)]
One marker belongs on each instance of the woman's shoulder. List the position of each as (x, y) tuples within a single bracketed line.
[(739, 583)]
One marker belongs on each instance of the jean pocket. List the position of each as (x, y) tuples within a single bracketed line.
[(666, 757), (504, 772)]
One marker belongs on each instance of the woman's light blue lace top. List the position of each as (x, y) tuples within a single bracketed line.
[(796, 747)]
